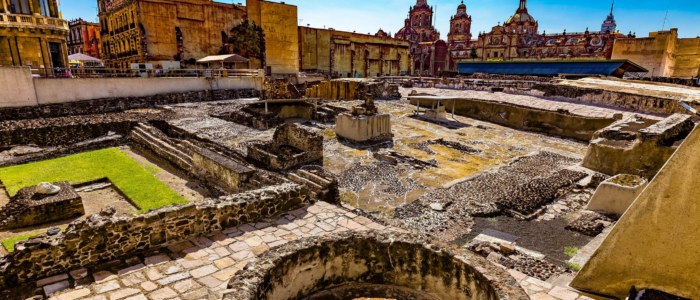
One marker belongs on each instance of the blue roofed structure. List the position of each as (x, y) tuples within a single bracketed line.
[(616, 68)]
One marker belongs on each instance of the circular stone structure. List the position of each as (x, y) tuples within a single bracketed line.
[(346, 266)]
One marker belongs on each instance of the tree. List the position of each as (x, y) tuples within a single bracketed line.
[(248, 40), (472, 53)]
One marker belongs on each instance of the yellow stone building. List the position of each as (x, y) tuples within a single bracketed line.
[(164, 33), (32, 33), (662, 53), (347, 54), (279, 21)]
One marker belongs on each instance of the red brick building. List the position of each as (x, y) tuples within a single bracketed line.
[(84, 37)]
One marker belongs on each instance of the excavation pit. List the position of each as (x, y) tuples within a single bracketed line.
[(386, 265)]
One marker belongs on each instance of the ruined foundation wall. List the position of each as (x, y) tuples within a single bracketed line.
[(106, 237), (655, 244), (349, 265), (556, 123), (639, 103), (120, 104), (363, 128), (63, 134), (230, 174)]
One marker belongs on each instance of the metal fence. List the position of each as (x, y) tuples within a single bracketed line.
[(122, 73)]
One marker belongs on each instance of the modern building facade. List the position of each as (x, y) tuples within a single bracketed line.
[(279, 22), (84, 37), (165, 33), (33, 34)]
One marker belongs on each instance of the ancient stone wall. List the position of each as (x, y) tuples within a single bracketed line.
[(230, 174), (105, 236), (354, 89), (640, 103), (119, 104), (558, 123), (624, 149), (291, 146), (371, 264)]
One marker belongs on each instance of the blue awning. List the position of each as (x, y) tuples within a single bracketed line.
[(551, 68)]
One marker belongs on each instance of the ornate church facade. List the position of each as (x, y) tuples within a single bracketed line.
[(428, 53), (519, 38)]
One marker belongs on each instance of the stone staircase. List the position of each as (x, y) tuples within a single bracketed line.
[(322, 186), (155, 141)]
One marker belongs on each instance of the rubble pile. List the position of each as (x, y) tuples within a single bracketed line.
[(528, 198), (510, 257), (591, 223)]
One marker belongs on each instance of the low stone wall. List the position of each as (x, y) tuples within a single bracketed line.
[(363, 128), (558, 123), (105, 236), (371, 264), (639, 103), (108, 105), (71, 129)]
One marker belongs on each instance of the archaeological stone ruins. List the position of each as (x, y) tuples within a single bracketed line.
[(202, 150)]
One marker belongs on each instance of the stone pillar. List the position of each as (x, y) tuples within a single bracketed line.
[(4, 5)]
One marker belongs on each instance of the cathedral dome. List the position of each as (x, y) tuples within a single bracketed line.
[(521, 15)]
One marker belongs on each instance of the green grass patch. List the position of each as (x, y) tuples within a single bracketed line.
[(137, 183), (573, 266), (9, 243), (571, 251)]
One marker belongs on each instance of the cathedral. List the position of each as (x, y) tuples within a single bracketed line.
[(428, 53), (519, 38)]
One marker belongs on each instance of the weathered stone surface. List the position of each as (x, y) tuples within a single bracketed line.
[(292, 146), (349, 263)]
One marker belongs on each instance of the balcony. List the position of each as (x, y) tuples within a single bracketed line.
[(16, 20)]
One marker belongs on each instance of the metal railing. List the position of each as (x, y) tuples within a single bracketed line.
[(86, 72), (32, 21)]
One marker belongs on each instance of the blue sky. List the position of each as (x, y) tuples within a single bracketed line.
[(640, 16)]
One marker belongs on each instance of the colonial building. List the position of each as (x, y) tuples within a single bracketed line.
[(348, 54), (32, 33), (279, 22), (662, 53), (168, 33), (428, 52), (519, 38), (84, 37), (460, 36)]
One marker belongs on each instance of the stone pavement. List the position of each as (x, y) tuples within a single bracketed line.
[(201, 267)]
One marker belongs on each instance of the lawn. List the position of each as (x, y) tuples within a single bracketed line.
[(9, 243), (135, 182)]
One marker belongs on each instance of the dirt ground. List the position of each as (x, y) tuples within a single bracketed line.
[(547, 237), (175, 179)]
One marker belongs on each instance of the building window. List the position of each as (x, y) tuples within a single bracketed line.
[(20, 7)]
